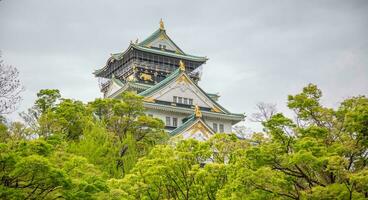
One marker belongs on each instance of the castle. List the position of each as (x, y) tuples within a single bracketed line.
[(167, 79)]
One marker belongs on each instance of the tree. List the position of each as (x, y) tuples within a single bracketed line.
[(43, 169), (26, 173), (69, 118), (10, 88), (3, 129), (47, 100), (109, 149), (174, 173), (136, 132), (264, 112), (100, 147), (318, 156)]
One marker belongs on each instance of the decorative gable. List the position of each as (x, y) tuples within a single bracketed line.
[(182, 87), (113, 87), (193, 128), (160, 40), (179, 85), (199, 131)]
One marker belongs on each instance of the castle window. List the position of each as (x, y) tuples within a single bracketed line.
[(168, 121), (175, 122), (164, 46), (215, 128), (221, 127), (182, 100)]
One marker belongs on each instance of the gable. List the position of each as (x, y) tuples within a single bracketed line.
[(113, 88), (163, 42), (198, 130), (183, 87), (159, 39)]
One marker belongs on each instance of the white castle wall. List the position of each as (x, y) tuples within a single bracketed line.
[(183, 90), (209, 121)]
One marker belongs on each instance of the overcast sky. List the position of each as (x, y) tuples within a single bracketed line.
[(257, 50)]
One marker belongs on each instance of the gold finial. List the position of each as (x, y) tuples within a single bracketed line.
[(197, 111), (162, 27), (181, 66)]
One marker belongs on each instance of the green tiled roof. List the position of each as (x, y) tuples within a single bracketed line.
[(98, 70), (117, 81), (192, 120), (212, 94), (161, 84), (235, 117), (127, 85), (157, 34), (171, 54), (142, 85), (172, 76), (142, 46), (118, 56), (185, 125)]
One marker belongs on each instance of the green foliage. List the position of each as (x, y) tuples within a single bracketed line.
[(135, 133), (173, 173), (109, 149), (98, 146), (3, 129), (322, 155), (26, 171), (47, 99), (69, 118)]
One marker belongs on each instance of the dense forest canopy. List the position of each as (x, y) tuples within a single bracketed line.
[(109, 149)]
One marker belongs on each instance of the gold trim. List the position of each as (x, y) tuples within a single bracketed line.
[(162, 26), (149, 99), (181, 66), (197, 111), (201, 128), (215, 109), (162, 37), (182, 78)]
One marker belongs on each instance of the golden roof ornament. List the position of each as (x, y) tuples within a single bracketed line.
[(197, 111), (162, 26), (181, 66)]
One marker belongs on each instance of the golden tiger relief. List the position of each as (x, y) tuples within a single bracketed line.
[(145, 77)]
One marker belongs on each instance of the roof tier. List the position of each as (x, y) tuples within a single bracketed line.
[(152, 45)]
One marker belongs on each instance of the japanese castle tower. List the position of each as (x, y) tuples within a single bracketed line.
[(167, 79)]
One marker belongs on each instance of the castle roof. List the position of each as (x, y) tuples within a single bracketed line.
[(160, 33), (173, 77), (147, 45), (191, 121)]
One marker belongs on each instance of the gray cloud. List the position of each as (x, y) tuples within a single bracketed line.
[(258, 50)]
